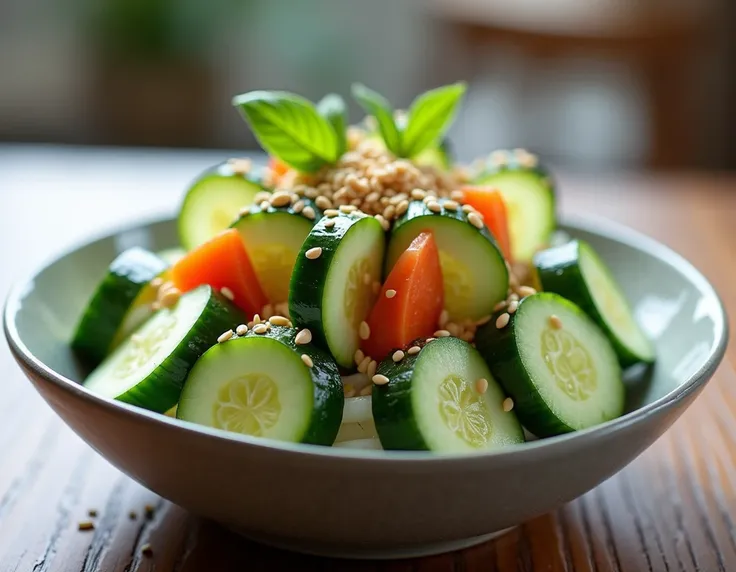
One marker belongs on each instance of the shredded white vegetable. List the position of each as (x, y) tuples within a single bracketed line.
[(352, 431), (360, 444), (358, 409)]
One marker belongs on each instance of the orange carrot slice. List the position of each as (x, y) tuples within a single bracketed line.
[(278, 169), (223, 263), (489, 202), (411, 300)]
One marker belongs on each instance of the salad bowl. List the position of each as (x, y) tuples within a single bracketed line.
[(366, 503)]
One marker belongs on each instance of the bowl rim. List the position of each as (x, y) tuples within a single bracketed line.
[(592, 224)]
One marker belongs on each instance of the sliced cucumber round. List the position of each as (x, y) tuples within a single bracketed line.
[(121, 302), (474, 272), (331, 293), (172, 255), (529, 194), (260, 385), (273, 238), (432, 402), (213, 201), (575, 271), (149, 368), (556, 364)]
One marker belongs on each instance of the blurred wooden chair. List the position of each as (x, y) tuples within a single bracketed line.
[(659, 40)]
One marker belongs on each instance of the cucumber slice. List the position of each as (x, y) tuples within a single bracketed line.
[(149, 368), (259, 385), (120, 304), (213, 201), (172, 255), (473, 269), (273, 238), (561, 378), (530, 199), (438, 156), (432, 402), (333, 293), (575, 271)]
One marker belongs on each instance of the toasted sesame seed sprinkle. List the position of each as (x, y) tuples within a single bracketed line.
[(245, 211), (475, 220), (500, 305), (434, 206), (225, 336), (241, 330), (280, 199), (279, 321), (303, 337), (314, 253), (502, 321), (402, 207), (467, 209), (513, 306), (364, 330), (363, 365), (450, 205), (331, 213), (481, 385), (429, 340), (225, 291), (372, 367), (525, 291), (359, 356), (86, 525), (347, 209), (379, 379), (384, 223), (484, 320), (413, 350), (261, 196), (513, 297), (309, 213), (146, 550), (555, 322), (508, 404), (442, 334), (418, 194), (390, 293), (240, 166), (458, 196), (298, 206), (256, 319), (265, 205), (323, 202), (329, 223), (157, 282), (397, 356), (307, 360), (92, 512)]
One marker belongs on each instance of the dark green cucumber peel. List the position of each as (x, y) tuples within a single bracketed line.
[(126, 277), (160, 390), (392, 404), (558, 270), (308, 280)]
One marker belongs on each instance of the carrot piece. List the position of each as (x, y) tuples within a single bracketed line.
[(278, 168), (221, 262), (489, 202), (411, 300)]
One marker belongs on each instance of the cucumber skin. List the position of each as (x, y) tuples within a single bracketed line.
[(127, 275), (308, 277), (168, 378), (500, 351), (559, 271), (392, 404)]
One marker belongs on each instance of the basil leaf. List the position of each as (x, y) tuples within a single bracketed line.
[(378, 106), (332, 107), (289, 127), (429, 117)]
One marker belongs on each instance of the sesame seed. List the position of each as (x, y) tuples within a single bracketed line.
[(367, 278), (265, 205), (413, 350), (389, 212), (525, 291), (307, 360), (481, 385), (383, 221), (260, 329), (508, 404), (379, 379), (367, 390), (442, 334), (323, 202), (92, 512), (279, 321), (458, 196), (347, 209), (332, 213), (86, 525), (359, 356), (170, 297), (402, 207), (475, 220), (245, 211), (157, 282), (146, 550), (241, 330), (429, 340), (502, 321), (256, 319), (225, 336), (467, 209), (513, 297), (314, 253), (363, 365), (397, 356), (261, 196), (329, 223), (390, 293), (364, 331), (450, 205), (500, 305), (498, 158), (555, 322), (513, 306), (240, 166), (309, 213), (418, 194), (225, 291), (280, 199), (298, 206), (303, 337), (371, 369), (434, 206), (429, 199)]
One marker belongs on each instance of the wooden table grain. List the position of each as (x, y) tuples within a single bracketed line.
[(673, 508)]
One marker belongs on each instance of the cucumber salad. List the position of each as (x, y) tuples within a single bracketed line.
[(362, 289)]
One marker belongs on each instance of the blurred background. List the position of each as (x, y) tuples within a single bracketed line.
[(590, 84)]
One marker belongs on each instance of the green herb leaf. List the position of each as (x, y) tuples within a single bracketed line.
[(332, 107), (290, 128), (378, 106), (429, 117)]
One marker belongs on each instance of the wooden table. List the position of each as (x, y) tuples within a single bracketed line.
[(674, 508)]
